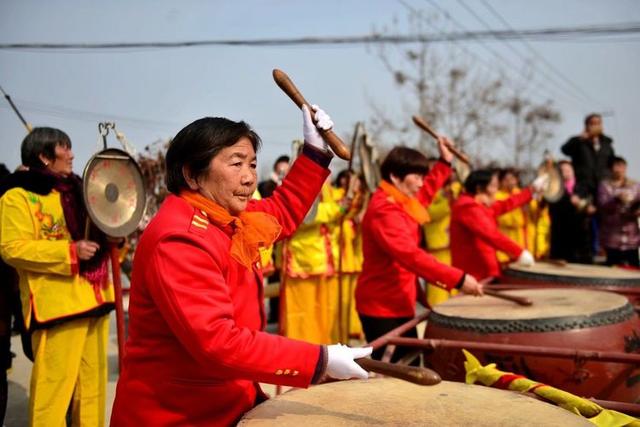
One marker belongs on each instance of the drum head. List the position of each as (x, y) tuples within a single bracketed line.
[(580, 273), (388, 401), (553, 309), (114, 192)]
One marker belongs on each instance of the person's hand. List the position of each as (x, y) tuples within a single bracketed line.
[(471, 286), (340, 364), (540, 183), (526, 259), (86, 249), (590, 209), (445, 153), (310, 130)]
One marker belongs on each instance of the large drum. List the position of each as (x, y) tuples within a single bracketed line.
[(565, 318), (387, 401), (625, 282)]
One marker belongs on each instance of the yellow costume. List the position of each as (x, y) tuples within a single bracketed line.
[(539, 230), (513, 224), (436, 233), (310, 282), (351, 266), (70, 340)]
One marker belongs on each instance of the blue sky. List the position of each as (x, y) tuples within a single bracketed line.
[(151, 94)]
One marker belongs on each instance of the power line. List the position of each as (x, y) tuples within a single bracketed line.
[(571, 90), (537, 54), (530, 34)]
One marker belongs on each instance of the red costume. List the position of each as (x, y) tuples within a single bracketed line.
[(195, 350), (475, 236), (392, 257)]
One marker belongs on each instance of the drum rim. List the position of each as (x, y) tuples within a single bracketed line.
[(547, 324), (572, 280)]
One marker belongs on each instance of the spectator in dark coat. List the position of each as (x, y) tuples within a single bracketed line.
[(590, 154)]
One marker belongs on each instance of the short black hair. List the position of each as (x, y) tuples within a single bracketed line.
[(281, 159), (401, 161), (199, 142), (615, 160), (42, 141), (478, 181), (589, 117)]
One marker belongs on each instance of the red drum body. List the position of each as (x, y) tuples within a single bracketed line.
[(558, 318), (582, 276)]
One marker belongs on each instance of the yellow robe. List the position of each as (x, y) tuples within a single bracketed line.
[(70, 358), (436, 233), (513, 224), (310, 282)]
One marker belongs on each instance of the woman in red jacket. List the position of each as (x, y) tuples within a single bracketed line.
[(196, 350), (475, 237), (393, 260)]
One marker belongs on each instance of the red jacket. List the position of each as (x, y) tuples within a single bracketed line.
[(475, 236), (195, 350), (392, 258)]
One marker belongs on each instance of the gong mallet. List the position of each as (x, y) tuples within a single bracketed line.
[(287, 86), (518, 300), (422, 124), (413, 374)]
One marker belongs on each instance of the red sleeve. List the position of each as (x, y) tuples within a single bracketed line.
[(512, 202), (292, 200), (388, 232), (194, 300), (75, 267), (484, 227), (434, 181)]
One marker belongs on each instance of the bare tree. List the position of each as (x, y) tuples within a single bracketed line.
[(474, 106), (454, 97), (531, 130)]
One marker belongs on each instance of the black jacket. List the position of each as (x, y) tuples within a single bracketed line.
[(590, 166)]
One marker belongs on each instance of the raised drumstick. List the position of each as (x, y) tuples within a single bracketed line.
[(287, 86), (422, 124), (413, 374)]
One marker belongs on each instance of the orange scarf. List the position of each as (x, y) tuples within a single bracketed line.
[(251, 230), (410, 205)]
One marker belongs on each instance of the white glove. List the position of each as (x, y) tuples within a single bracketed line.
[(340, 364), (310, 130), (540, 183), (526, 259)]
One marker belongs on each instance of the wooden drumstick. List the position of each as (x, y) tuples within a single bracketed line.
[(413, 374), (287, 86), (422, 124), (518, 300)]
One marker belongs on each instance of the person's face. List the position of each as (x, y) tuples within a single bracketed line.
[(491, 190), (62, 163), (509, 182), (281, 169), (619, 170), (566, 170), (594, 127), (231, 179), (410, 184)]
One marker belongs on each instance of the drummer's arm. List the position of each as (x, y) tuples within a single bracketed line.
[(484, 228), (434, 181), (394, 238), (516, 200), (292, 200), (193, 297)]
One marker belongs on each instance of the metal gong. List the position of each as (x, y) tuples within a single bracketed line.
[(114, 192), (555, 187)]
